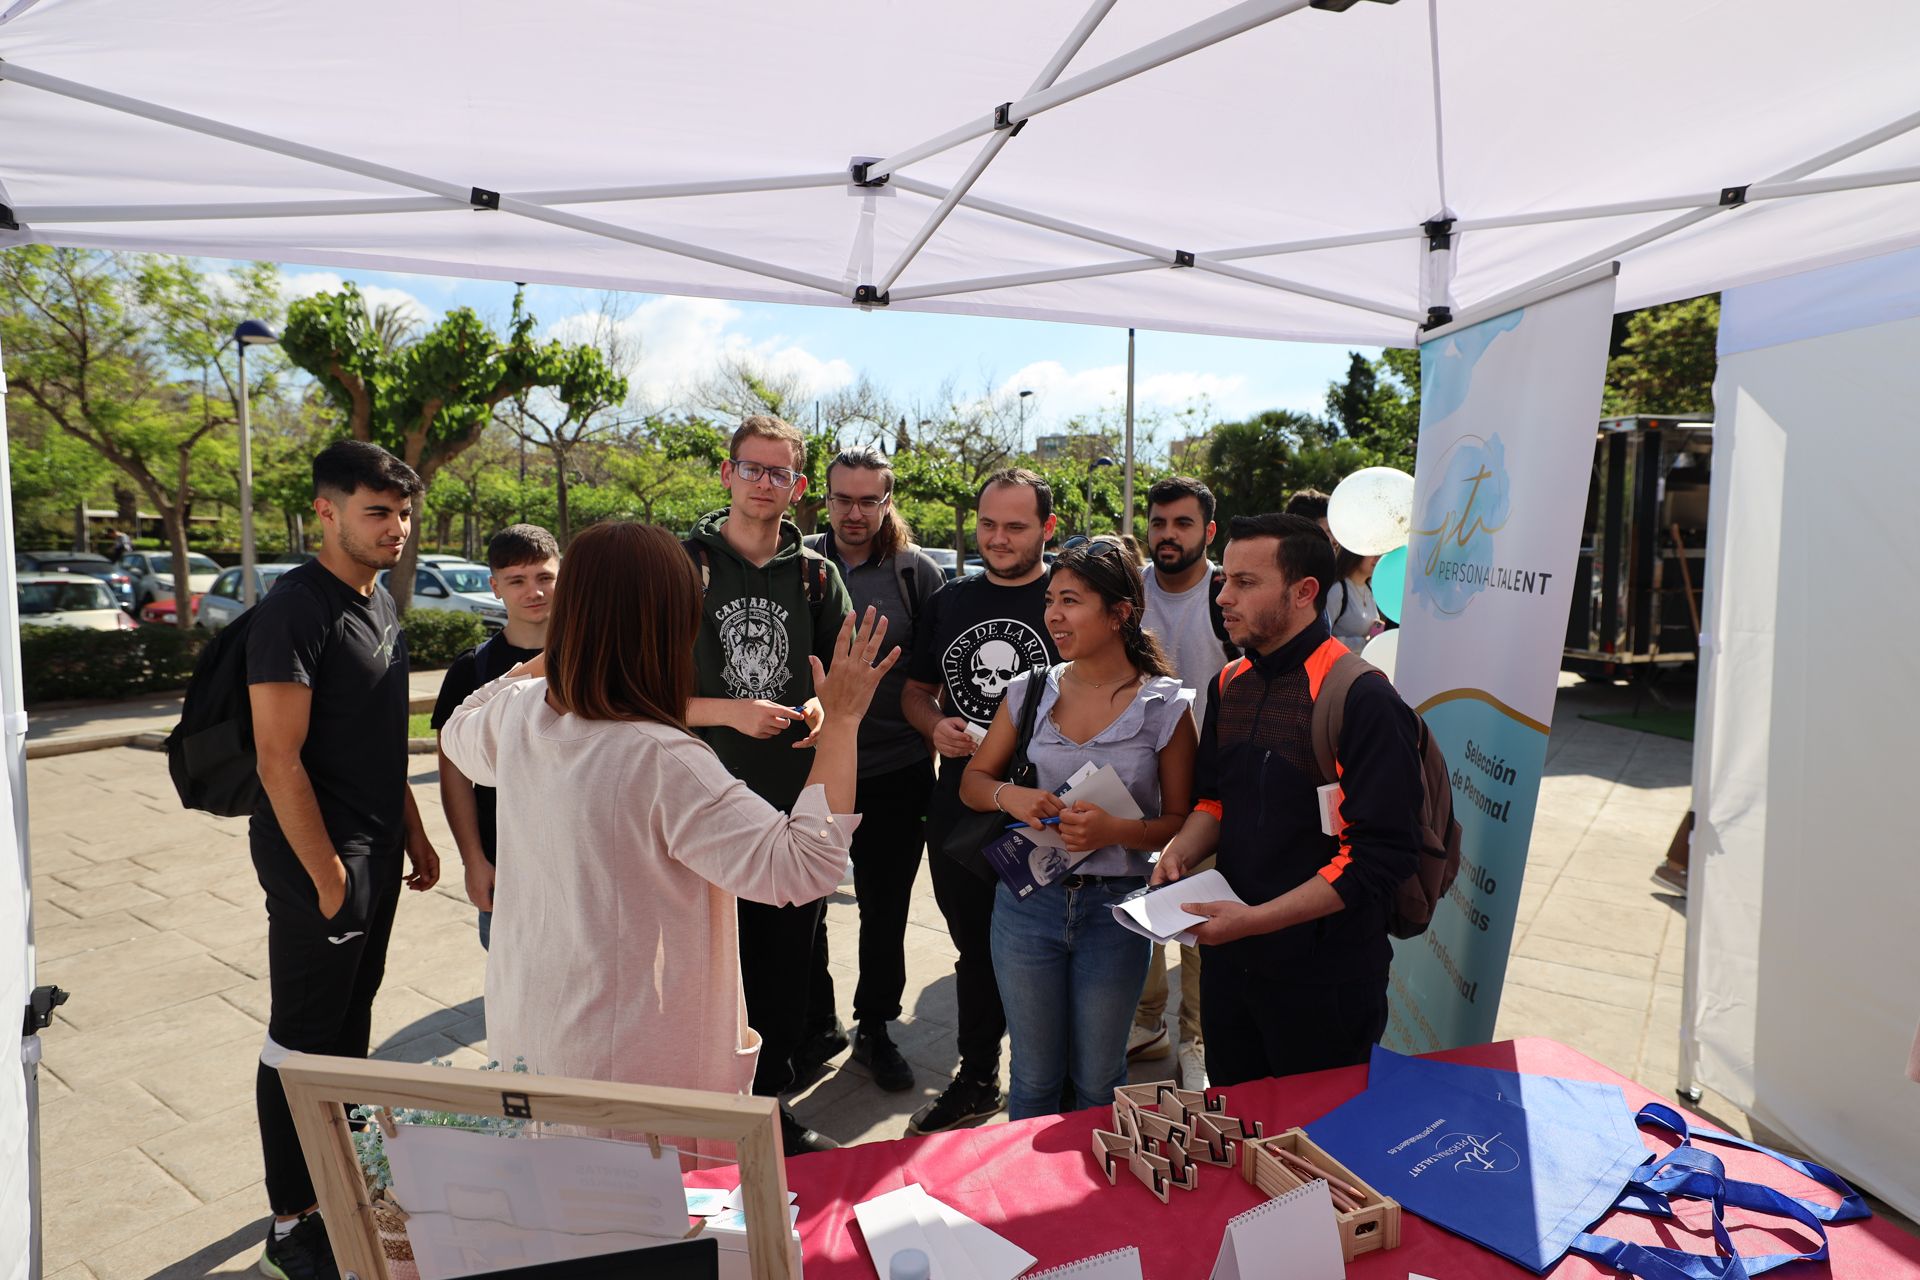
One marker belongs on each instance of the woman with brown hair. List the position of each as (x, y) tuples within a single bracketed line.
[(1070, 975), (624, 840)]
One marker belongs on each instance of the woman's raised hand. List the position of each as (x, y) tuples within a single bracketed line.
[(845, 691)]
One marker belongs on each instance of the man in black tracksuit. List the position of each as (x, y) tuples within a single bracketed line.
[(1296, 980)]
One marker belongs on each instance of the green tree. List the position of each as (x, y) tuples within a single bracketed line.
[(1377, 406), (428, 401), (1666, 362), (122, 354), (1255, 465), (576, 410), (670, 470)]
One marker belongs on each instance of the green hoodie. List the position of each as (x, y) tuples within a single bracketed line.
[(757, 628)]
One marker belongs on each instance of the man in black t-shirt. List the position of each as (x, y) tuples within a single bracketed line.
[(980, 632), (327, 674), (525, 561)]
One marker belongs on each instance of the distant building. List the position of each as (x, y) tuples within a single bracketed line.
[(1079, 444), (1189, 456)]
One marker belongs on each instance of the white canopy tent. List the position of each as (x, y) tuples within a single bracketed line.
[(1269, 169)]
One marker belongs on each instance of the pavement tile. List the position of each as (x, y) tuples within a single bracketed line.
[(55, 939), (52, 1087), (254, 997), (1599, 924), (1583, 956), (159, 988), (101, 901), (209, 1080), (163, 1041), (87, 1210), (401, 1013), (80, 1128), (209, 875), (1605, 1034), (45, 913), (214, 1156), (1584, 984), (78, 1271), (212, 922), (140, 951), (1638, 897), (222, 1238), (249, 957), (95, 875)]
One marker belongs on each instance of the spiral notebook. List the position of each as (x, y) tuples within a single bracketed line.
[(1299, 1226), (1121, 1264)]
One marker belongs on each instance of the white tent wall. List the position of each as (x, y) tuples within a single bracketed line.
[(1802, 994), (17, 1210)]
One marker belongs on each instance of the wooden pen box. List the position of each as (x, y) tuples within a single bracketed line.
[(1374, 1225)]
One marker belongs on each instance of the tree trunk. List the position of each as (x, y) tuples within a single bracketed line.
[(467, 548), (299, 535), (400, 578), (175, 519), (960, 537), (561, 517), (444, 529), (126, 509)]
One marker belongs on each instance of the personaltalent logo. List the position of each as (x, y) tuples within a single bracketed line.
[(1454, 538)]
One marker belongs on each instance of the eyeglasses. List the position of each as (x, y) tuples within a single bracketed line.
[(751, 472), (843, 505)]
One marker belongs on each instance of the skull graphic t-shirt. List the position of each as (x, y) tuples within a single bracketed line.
[(978, 636)]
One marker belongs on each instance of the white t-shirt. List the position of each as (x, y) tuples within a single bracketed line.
[(1182, 623)]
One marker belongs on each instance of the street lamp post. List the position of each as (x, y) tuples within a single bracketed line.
[(1102, 461), (248, 333)]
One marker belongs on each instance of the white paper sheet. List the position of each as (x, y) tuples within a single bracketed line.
[(477, 1202), (1121, 1264), (1101, 787), (958, 1247), (1157, 914), (1298, 1226)]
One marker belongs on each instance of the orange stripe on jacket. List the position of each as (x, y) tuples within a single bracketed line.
[(1319, 666)]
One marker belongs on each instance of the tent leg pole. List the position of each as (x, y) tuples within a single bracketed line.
[(13, 734), (1126, 496)]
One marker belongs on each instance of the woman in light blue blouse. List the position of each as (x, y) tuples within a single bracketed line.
[(1070, 976)]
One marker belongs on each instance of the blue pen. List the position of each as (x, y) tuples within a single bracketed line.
[(799, 711), (1045, 822)]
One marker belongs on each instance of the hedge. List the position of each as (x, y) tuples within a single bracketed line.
[(435, 637), (69, 662)]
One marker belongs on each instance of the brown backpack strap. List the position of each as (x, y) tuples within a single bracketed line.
[(1330, 712)]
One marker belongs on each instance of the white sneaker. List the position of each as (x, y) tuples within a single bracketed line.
[(1146, 1039), (1193, 1065)]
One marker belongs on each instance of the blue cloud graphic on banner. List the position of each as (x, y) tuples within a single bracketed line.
[(1453, 534), (1446, 366)]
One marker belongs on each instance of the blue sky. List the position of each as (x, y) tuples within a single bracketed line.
[(1072, 369)]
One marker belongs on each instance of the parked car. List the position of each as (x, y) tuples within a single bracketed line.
[(118, 580), (457, 586), (161, 611), (69, 600), (223, 603), (944, 557), (152, 573)]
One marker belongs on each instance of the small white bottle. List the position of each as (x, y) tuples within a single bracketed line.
[(909, 1264)]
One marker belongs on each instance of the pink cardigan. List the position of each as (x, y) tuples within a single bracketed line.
[(622, 846)]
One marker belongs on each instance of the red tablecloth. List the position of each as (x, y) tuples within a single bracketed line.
[(1034, 1182)]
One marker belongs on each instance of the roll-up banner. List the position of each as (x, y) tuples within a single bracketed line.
[(1507, 412)]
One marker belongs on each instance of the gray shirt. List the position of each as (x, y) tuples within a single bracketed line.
[(1131, 744), (1184, 626), (887, 741)]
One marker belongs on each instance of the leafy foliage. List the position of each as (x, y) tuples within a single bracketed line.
[(68, 662), (435, 637), (1667, 361)]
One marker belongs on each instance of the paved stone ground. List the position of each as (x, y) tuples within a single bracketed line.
[(151, 917)]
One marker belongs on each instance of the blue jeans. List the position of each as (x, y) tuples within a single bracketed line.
[(1070, 977)]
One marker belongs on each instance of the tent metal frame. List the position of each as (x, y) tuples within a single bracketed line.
[(1046, 93)]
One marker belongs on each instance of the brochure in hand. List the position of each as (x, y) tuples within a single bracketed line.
[(1030, 858), (1156, 912)]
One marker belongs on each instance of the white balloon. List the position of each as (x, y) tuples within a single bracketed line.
[(1383, 651), (1371, 511)]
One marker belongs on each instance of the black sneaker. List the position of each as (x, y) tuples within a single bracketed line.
[(874, 1049), (820, 1047), (798, 1140), (304, 1253), (964, 1101)]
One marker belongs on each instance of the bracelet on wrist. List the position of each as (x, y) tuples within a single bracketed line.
[(996, 796)]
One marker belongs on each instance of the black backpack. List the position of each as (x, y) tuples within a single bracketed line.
[(210, 752)]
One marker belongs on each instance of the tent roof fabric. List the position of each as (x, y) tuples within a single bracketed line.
[(357, 134)]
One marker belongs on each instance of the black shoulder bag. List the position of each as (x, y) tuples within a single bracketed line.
[(971, 831)]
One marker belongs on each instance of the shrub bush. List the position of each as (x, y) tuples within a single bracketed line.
[(435, 637), (68, 662)]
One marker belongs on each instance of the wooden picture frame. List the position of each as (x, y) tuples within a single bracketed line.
[(320, 1089)]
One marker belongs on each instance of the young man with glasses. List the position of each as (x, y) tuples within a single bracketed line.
[(872, 546), (770, 605)]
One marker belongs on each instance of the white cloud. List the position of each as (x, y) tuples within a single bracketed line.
[(681, 342), (308, 283), (1061, 393)]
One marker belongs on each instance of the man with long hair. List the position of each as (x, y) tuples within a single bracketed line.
[(872, 546)]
